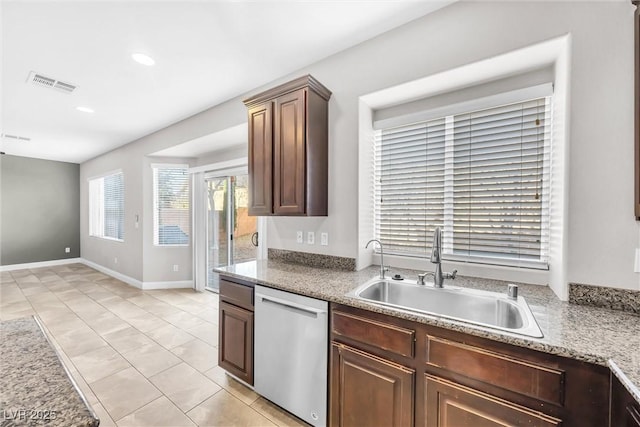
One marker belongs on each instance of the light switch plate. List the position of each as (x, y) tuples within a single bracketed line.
[(299, 237)]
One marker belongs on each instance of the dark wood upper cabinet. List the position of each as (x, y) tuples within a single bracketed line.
[(637, 107), (260, 159), (288, 149)]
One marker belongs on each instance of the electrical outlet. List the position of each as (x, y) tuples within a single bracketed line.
[(324, 239), (67, 250), (299, 237), (115, 260), (176, 267), (311, 237)]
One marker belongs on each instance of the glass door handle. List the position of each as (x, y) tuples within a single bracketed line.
[(254, 239)]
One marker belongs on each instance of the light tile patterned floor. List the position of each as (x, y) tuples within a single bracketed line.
[(142, 358)]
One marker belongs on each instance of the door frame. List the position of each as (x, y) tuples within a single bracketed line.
[(199, 176)]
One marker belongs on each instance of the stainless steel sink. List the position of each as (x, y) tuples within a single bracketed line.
[(488, 309)]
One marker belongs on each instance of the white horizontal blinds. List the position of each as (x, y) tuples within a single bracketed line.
[(481, 176), (106, 206), (114, 206), (498, 182), (409, 175), (172, 214), (96, 212)]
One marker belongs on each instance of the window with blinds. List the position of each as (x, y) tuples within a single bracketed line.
[(482, 176), (106, 206), (171, 212)]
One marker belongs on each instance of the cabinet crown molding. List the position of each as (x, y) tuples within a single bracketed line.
[(291, 86)]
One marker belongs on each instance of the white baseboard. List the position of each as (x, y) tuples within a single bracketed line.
[(109, 272), (40, 264), (183, 284)]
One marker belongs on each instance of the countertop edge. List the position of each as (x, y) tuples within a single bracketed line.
[(45, 332), (626, 382)]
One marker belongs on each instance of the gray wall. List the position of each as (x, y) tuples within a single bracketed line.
[(39, 210)]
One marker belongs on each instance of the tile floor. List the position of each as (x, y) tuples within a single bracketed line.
[(142, 358)]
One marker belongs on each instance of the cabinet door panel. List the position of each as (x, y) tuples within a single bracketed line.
[(235, 352), (625, 410), (289, 154), (369, 391), (260, 159), (448, 404)]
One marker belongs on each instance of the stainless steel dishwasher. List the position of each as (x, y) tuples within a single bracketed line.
[(290, 352)]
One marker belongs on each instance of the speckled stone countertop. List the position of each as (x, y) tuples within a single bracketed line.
[(35, 388), (597, 335)]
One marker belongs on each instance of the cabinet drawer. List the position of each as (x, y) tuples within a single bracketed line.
[(519, 376), (389, 337), (236, 294)]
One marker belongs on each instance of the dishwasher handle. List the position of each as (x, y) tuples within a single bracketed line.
[(290, 304)]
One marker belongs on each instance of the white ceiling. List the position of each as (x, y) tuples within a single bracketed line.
[(206, 52)]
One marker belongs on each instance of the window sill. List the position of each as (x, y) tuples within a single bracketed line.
[(107, 238)]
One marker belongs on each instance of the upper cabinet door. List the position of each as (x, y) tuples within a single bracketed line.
[(637, 108), (260, 159), (289, 154), (288, 149)]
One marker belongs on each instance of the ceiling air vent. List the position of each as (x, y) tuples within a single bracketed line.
[(15, 137), (44, 81)]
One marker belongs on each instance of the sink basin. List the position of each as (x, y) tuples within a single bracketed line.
[(483, 308)]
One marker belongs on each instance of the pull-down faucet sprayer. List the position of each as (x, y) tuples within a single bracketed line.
[(436, 258)]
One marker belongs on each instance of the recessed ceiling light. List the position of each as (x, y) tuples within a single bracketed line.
[(143, 59), (85, 109)]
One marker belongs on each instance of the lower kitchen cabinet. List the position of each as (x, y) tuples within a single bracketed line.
[(625, 410), (235, 329), (370, 391), (395, 372), (451, 405), (236, 341)]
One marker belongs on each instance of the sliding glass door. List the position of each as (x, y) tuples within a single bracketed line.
[(231, 233)]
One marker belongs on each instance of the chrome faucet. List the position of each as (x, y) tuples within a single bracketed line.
[(436, 258), (382, 267)]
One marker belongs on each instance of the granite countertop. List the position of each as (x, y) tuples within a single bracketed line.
[(597, 335), (35, 387)]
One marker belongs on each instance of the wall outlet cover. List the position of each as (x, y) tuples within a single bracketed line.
[(299, 237), (324, 239), (176, 267), (67, 250), (311, 237)]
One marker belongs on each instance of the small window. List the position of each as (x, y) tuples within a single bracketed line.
[(482, 176), (106, 207), (171, 214)]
